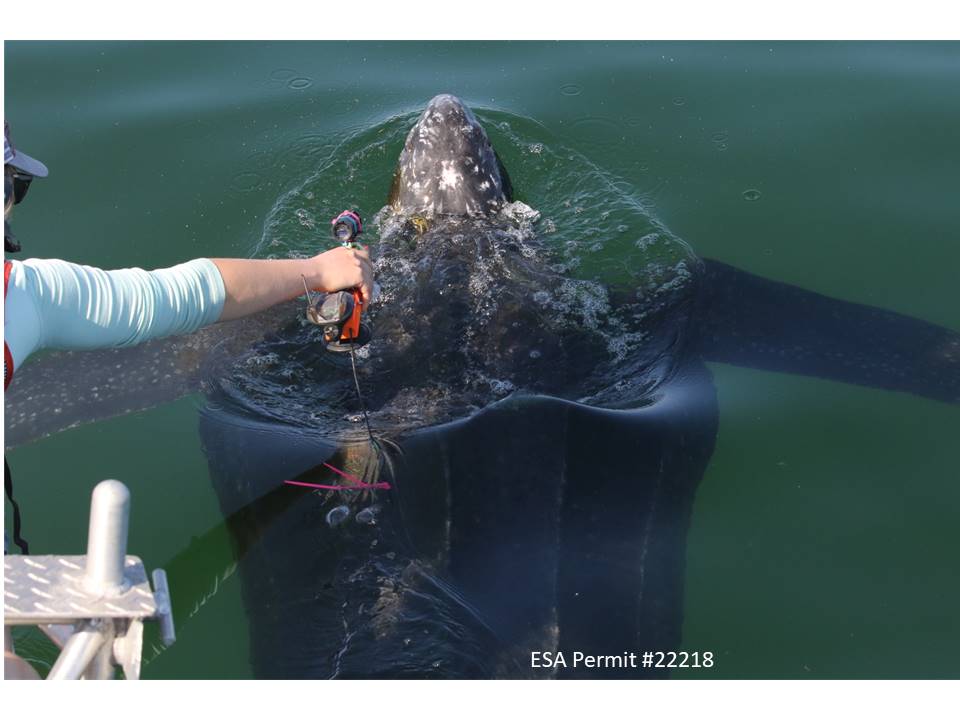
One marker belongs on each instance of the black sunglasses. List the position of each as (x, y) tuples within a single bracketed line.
[(16, 185), (21, 183)]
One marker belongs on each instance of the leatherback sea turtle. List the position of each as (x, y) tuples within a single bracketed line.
[(543, 434)]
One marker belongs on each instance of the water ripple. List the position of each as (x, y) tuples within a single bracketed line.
[(300, 83), (598, 130), (282, 74), (246, 181)]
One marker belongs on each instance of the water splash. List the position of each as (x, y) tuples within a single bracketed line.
[(557, 261)]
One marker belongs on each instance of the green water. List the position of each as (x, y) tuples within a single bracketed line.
[(824, 535)]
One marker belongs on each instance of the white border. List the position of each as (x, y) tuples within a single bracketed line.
[(489, 19), (480, 19), (511, 700)]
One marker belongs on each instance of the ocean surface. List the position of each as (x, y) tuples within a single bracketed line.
[(824, 535)]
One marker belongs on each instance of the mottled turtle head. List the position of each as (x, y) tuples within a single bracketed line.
[(448, 166)]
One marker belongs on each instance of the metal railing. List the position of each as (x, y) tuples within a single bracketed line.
[(93, 606)]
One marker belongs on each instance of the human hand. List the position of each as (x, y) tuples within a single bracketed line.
[(344, 268)]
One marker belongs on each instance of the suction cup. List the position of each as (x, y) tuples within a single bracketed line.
[(340, 346)]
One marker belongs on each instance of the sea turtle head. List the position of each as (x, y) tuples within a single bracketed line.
[(448, 166)]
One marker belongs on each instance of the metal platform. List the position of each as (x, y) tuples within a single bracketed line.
[(49, 589), (93, 606)]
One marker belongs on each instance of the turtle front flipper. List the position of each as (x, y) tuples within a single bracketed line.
[(749, 321)]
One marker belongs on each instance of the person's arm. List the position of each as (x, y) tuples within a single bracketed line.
[(254, 285), (59, 305)]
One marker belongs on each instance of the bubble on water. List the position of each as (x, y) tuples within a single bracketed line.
[(300, 83), (536, 148), (622, 228), (265, 360), (681, 275), (501, 387), (338, 515), (304, 218), (571, 89), (622, 344), (520, 212), (719, 139), (647, 240), (751, 195), (583, 300), (535, 354), (679, 101)]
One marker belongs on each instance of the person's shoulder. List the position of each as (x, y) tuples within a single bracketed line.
[(39, 271), (32, 262), (51, 264)]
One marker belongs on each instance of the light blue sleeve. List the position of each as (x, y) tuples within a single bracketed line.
[(81, 307)]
